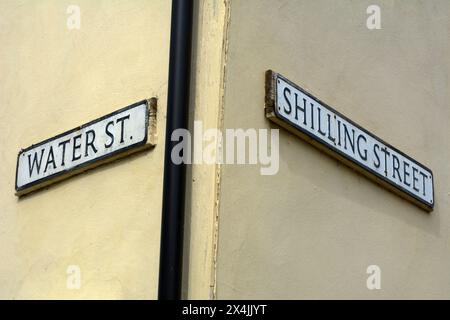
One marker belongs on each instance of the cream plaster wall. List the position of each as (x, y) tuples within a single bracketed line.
[(106, 221), (203, 180), (308, 232), (312, 230)]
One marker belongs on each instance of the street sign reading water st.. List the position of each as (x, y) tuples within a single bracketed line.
[(115, 135), (301, 113)]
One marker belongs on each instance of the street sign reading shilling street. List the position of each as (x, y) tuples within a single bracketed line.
[(113, 136), (295, 109)]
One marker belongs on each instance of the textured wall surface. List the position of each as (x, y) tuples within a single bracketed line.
[(312, 230), (308, 232), (106, 221), (208, 57)]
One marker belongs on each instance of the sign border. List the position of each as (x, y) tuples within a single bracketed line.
[(271, 112), (58, 176)]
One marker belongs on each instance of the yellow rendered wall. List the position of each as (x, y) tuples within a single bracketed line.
[(211, 20), (106, 221), (312, 230), (308, 232)]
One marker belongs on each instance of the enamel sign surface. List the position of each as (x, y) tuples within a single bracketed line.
[(115, 135), (292, 107)]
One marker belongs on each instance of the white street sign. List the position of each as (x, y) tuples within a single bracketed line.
[(295, 109), (107, 138)]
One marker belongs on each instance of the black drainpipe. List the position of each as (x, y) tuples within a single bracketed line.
[(172, 223)]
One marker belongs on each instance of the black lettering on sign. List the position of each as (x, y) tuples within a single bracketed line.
[(63, 152), (288, 102), (90, 138), (122, 126), (345, 140), (110, 135), (76, 146), (36, 162), (105, 139), (50, 159)]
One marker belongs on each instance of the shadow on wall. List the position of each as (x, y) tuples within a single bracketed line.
[(84, 175), (324, 171)]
